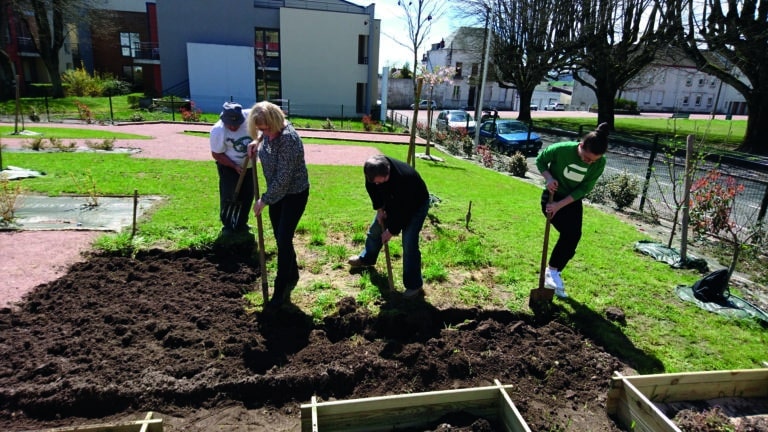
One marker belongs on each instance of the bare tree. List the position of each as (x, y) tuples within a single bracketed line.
[(49, 30), (618, 38), (419, 15), (532, 39), (729, 40)]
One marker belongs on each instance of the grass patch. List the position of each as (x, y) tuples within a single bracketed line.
[(493, 264)]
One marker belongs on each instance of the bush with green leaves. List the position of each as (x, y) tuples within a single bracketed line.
[(599, 193), (517, 165), (623, 189)]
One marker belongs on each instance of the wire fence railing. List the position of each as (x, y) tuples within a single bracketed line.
[(660, 170)]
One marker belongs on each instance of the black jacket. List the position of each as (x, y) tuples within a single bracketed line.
[(400, 196)]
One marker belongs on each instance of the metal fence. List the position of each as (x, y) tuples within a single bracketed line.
[(659, 169)]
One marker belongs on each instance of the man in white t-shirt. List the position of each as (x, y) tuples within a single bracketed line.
[(229, 147)]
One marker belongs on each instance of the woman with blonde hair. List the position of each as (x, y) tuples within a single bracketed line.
[(281, 153)]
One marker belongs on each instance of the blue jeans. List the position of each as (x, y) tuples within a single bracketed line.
[(411, 253)]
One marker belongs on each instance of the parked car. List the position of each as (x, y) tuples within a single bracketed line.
[(554, 106), (534, 107), (424, 104), (510, 136), (455, 120)]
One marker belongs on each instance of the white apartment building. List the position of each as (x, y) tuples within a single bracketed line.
[(672, 84)]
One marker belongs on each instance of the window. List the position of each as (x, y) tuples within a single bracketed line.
[(709, 101), (360, 97), (362, 49), (701, 82), (685, 100), (267, 58), (647, 98), (698, 100), (459, 65), (712, 83), (456, 93), (659, 98), (129, 44), (475, 69), (689, 81)]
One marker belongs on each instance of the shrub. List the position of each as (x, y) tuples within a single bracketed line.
[(79, 82), (517, 165), (370, 124), (9, 199), (599, 194), (623, 189), (190, 113), (624, 104)]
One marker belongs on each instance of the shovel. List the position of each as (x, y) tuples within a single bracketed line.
[(230, 213), (390, 279), (260, 230), (542, 295)]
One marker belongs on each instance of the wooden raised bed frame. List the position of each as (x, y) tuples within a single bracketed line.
[(149, 424), (632, 399), (387, 413)]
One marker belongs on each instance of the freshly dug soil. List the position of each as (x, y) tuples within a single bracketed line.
[(171, 333)]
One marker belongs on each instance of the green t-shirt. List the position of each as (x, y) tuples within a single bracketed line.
[(574, 176)]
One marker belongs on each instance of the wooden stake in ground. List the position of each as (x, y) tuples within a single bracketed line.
[(260, 230)]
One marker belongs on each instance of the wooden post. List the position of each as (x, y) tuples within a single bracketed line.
[(135, 205), (411, 160), (686, 197)]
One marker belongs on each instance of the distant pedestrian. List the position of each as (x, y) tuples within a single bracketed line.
[(229, 148), (571, 170), (281, 153), (401, 200)]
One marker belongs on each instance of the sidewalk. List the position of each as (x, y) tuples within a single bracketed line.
[(189, 141)]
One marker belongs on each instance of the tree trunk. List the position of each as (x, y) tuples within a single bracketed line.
[(605, 105), (524, 113), (756, 136)]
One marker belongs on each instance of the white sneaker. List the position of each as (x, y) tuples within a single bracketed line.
[(551, 279)]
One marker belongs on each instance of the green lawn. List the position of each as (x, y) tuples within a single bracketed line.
[(493, 264)]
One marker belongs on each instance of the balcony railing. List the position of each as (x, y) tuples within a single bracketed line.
[(146, 51), (26, 44)]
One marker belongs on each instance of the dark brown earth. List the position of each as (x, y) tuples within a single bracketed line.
[(170, 333)]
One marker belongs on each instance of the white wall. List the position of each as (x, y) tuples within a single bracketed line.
[(315, 73), (220, 72)]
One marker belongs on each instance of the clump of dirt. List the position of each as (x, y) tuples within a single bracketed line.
[(170, 332)]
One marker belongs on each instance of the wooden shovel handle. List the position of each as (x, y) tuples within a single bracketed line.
[(546, 244), (260, 231)]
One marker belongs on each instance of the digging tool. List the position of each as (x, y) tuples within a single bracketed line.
[(390, 279), (260, 230), (230, 212), (541, 295)]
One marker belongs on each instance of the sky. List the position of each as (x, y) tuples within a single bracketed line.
[(394, 27)]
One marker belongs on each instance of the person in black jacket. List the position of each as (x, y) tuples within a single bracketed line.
[(401, 200)]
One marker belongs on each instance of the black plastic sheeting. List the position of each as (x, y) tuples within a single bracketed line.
[(732, 307), (671, 256)]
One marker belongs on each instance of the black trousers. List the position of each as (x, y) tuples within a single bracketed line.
[(227, 182), (567, 221), (285, 216)]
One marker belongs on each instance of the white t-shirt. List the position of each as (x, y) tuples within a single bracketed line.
[(233, 144)]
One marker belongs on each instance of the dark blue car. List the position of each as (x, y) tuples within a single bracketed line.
[(510, 136)]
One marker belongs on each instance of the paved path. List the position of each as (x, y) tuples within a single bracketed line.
[(178, 141)]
